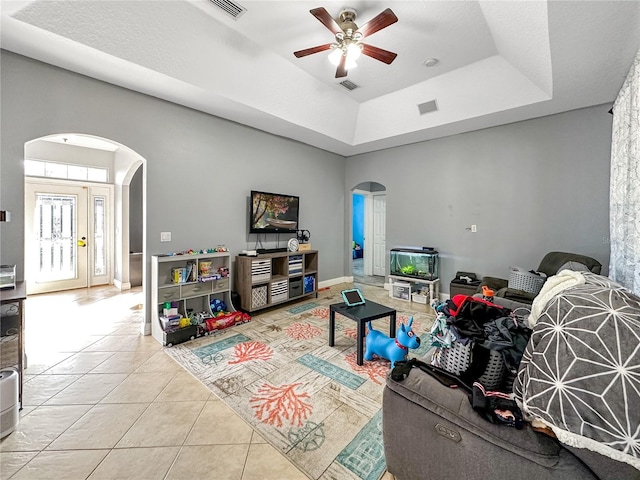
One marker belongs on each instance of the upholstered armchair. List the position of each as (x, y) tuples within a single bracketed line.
[(550, 265)]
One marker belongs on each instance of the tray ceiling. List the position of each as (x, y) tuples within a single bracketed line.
[(497, 61)]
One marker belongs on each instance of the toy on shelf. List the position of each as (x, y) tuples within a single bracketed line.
[(226, 320), (393, 349), (191, 251), (217, 305)]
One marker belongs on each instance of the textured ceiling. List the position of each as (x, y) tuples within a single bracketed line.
[(498, 61)]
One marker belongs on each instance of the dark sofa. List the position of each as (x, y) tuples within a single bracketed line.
[(431, 431), (550, 265)]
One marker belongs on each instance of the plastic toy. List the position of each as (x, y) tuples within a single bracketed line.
[(393, 349), (225, 320), (218, 305)]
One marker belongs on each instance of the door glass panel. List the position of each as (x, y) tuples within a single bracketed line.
[(99, 243), (56, 235)]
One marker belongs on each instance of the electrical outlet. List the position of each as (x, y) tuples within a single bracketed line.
[(165, 236), (474, 228)]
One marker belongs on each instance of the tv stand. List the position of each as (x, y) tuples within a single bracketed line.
[(274, 278), (271, 250)]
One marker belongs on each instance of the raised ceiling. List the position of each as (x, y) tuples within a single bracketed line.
[(498, 61)]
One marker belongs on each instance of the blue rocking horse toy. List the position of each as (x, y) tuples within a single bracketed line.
[(393, 349)]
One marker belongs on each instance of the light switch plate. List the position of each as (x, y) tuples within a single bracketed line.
[(165, 236)]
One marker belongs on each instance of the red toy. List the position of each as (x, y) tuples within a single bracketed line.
[(225, 321)]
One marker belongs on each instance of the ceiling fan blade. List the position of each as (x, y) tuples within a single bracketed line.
[(384, 56), (326, 19), (341, 71), (376, 24), (309, 51)]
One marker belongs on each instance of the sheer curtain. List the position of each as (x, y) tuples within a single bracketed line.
[(624, 264)]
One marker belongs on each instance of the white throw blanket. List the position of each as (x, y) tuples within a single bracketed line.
[(553, 286), (578, 374)]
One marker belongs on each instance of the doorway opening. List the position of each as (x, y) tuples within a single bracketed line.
[(78, 210), (368, 227)]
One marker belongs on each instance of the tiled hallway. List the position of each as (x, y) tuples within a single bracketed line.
[(102, 401)]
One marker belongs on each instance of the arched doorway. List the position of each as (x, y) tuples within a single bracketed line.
[(368, 226), (77, 212)]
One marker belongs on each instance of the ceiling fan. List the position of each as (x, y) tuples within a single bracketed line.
[(349, 38)]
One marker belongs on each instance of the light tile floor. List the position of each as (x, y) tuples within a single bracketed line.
[(102, 401)]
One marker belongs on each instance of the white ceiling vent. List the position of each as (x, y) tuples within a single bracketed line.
[(428, 107), (234, 10), (348, 85)]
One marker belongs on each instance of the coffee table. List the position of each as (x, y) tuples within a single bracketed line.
[(361, 314)]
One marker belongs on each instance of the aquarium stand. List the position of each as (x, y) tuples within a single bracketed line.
[(434, 285)]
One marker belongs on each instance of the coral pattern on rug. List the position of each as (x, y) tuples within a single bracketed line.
[(247, 351), (303, 331), (310, 401), (376, 370), (273, 404)]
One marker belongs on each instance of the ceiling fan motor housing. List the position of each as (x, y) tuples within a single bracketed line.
[(347, 19)]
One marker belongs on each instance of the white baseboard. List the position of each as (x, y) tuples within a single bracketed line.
[(145, 328), (334, 281), (121, 285)]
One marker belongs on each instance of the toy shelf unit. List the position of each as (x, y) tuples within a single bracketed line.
[(273, 278), (184, 285)]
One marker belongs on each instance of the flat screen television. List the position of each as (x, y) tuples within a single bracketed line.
[(273, 213)]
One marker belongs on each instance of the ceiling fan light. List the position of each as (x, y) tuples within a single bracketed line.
[(350, 64), (353, 51), (334, 56)]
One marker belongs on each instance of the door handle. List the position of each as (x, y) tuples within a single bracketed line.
[(82, 243)]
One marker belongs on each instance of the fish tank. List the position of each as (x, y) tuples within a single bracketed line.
[(417, 263)]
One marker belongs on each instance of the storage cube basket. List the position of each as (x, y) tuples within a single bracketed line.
[(456, 359), (520, 279)]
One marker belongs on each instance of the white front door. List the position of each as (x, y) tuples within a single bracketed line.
[(67, 242), (379, 228)]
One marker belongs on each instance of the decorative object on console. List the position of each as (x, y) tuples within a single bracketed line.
[(392, 349), (303, 239), (303, 236), (292, 245)]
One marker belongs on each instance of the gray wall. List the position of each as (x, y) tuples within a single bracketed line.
[(530, 187), (200, 168)]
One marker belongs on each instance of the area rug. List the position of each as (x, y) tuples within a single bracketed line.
[(309, 400)]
